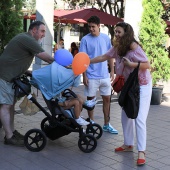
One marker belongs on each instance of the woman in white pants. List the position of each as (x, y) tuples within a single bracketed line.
[(127, 53), (139, 123)]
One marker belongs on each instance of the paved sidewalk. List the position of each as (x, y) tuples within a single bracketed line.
[(64, 153)]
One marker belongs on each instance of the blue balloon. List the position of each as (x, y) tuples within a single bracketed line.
[(63, 57)]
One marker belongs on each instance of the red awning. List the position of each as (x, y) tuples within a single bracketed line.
[(32, 17), (85, 14), (59, 17), (81, 16)]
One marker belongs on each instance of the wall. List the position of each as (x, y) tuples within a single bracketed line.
[(133, 12), (45, 13)]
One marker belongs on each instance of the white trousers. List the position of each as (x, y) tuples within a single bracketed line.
[(139, 123)]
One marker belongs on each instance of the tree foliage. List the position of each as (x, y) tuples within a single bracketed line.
[(11, 20), (113, 7), (153, 38), (30, 7)]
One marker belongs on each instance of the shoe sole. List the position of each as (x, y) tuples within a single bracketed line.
[(126, 150), (110, 132), (141, 164)]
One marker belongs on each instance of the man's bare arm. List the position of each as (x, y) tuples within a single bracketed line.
[(45, 57)]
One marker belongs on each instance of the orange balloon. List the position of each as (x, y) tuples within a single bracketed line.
[(80, 63)]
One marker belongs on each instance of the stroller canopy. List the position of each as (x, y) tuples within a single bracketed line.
[(53, 79)]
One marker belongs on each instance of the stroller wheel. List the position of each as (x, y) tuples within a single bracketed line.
[(35, 140), (95, 130), (87, 143), (44, 122)]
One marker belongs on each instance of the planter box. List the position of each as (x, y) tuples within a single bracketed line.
[(156, 95)]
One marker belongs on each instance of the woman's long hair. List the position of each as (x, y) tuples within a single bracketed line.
[(123, 46)]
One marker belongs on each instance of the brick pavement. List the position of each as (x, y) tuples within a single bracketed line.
[(64, 154)]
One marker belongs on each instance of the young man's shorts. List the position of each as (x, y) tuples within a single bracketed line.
[(103, 85), (6, 92)]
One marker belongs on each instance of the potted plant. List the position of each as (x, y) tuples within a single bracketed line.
[(153, 39)]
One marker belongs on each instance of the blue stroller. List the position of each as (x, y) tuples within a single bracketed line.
[(51, 80)]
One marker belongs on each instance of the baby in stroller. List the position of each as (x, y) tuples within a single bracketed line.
[(77, 102)]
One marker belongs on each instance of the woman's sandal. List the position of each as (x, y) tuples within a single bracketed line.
[(124, 148), (141, 159)]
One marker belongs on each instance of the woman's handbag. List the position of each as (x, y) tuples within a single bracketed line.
[(118, 83), (130, 95)]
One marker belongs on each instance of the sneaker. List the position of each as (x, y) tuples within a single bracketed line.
[(13, 141), (92, 121), (81, 121), (94, 100), (18, 135), (90, 103), (110, 129)]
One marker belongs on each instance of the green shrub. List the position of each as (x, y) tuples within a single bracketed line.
[(11, 20), (153, 39)]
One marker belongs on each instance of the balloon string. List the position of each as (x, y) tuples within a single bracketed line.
[(73, 83)]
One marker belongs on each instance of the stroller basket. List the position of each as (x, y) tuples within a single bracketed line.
[(58, 127), (55, 132)]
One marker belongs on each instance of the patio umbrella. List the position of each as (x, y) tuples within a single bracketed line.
[(82, 15), (59, 17)]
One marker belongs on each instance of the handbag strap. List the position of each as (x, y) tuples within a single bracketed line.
[(138, 64), (137, 68)]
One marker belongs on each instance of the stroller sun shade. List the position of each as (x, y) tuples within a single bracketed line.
[(53, 79)]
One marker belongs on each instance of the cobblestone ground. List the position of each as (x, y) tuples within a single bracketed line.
[(64, 153)]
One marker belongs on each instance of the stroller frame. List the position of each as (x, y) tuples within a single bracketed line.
[(59, 123)]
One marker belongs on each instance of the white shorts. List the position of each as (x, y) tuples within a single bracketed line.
[(103, 85)]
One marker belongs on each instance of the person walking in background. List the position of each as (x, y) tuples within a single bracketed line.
[(74, 49), (54, 44), (97, 75), (59, 45), (127, 52), (15, 60)]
